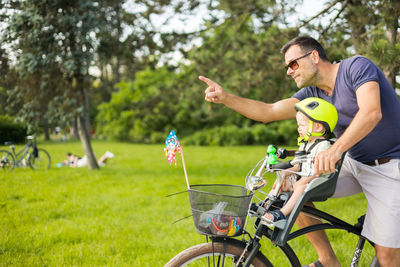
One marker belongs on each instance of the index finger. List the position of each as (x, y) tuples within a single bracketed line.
[(206, 80)]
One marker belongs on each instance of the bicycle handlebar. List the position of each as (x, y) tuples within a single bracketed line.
[(282, 165)]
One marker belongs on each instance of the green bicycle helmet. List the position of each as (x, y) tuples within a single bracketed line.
[(318, 110)]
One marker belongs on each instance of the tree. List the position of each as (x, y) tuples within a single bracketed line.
[(54, 52), (4, 69), (239, 51), (370, 28), (238, 45), (143, 109)]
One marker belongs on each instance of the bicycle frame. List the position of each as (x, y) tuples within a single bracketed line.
[(22, 151), (253, 244), (334, 223), (21, 154)]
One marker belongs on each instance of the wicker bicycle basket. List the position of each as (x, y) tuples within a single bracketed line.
[(219, 209)]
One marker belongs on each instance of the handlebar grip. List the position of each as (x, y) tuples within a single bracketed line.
[(283, 165), (283, 153)]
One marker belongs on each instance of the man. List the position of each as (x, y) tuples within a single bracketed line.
[(368, 128)]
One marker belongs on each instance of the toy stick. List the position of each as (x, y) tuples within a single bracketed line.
[(184, 170)]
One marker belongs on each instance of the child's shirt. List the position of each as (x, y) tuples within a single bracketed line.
[(312, 149)]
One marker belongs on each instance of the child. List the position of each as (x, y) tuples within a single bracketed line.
[(75, 161), (316, 119)]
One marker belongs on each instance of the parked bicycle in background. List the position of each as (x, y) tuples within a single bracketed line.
[(28, 156)]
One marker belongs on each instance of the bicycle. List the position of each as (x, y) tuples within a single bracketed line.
[(224, 250), (30, 155)]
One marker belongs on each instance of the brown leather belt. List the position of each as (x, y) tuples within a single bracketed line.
[(378, 161)]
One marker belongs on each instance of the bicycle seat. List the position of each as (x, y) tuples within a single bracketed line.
[(9, 143), (319, 189)]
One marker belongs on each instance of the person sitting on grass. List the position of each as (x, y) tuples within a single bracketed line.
[(316, 119), (75, 161)]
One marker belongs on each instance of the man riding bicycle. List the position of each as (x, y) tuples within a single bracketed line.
[(368, 127)]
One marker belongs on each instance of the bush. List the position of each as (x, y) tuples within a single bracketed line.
[(279, 133), (264, 134), (11, 131)]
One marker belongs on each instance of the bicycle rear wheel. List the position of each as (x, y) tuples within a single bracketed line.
[(41, 162), (224, 253), (7, 161)]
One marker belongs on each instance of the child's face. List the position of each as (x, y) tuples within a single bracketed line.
[(302, 124)]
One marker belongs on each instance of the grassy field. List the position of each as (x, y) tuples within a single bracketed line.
[(120, 215)]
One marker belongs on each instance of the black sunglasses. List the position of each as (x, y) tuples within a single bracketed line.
[(293, 64)]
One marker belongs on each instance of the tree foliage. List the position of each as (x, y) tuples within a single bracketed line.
[(141, 91), (240, 54), (54, 50), (240, 50), (141, 108), (369, 28)]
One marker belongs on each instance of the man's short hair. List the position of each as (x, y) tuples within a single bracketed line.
[(306, 44)]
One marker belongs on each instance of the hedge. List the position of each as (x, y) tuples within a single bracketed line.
[(11, 131)]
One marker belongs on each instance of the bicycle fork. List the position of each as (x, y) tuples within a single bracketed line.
[(252, 246)]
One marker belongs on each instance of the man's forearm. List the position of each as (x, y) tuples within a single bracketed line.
[(260, 111)]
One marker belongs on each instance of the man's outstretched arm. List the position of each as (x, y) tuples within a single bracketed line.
[(252, 109)]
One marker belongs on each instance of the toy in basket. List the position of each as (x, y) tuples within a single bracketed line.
[(217, 209), (218, 222)]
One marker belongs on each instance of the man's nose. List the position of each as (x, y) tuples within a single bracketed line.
[(289, 71)]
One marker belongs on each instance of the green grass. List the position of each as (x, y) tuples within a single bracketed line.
[(120, 215)]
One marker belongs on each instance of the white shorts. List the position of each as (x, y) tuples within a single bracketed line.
[(381, 186), (82, 162)]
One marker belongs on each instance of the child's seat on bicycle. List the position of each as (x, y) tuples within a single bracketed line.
[(319, 189)]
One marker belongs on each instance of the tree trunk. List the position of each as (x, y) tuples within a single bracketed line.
[(86, 144), (46, 130), (74, 133), (87, 112), (84, 125), (46, 133)]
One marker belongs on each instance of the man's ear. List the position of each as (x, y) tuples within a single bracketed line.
[(315, 56)]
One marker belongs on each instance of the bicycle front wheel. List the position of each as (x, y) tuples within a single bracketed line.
[(41, 161), (224, 253), (7, 161)]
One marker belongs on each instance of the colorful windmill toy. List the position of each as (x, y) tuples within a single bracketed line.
[(172, 146)]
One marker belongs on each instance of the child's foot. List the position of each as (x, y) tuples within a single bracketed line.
[(109, 154), (273, 216)]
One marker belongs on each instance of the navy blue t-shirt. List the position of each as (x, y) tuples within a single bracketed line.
[(384, 140)]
